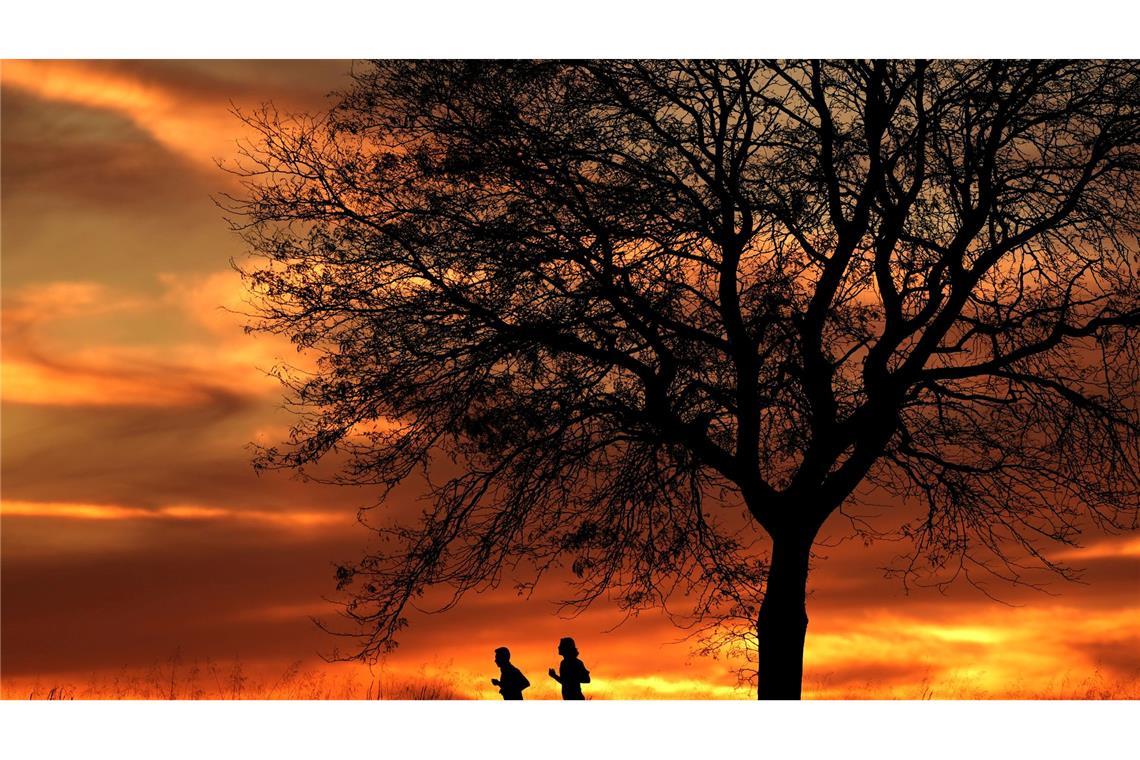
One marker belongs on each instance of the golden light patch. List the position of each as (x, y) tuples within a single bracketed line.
[(1000, 653), (78, 511), (30, 382), (664, 687), (961, 633), (1126, 547)]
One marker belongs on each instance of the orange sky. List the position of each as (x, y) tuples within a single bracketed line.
[(136, 538)]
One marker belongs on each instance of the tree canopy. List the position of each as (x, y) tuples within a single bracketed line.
[(641, 315)]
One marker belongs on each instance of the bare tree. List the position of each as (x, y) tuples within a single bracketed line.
[(655, 312)]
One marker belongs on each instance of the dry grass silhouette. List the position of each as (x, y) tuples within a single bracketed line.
[(174, 679)]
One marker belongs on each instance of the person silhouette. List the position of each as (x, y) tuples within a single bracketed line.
[(511, 681), (571, 672)]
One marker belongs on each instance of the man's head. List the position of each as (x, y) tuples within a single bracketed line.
[(502, 656)]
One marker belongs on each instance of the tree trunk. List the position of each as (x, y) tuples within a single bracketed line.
[(782, 622)]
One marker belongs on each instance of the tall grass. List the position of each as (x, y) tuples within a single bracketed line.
[(175, 679)]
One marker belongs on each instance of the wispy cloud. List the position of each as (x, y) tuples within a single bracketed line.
[(1121, 546), (78, 511), (194, 129), (89, 369)]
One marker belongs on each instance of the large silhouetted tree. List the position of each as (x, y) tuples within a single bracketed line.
[(635, 316)]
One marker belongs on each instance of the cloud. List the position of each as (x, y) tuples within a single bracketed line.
[(58, 156), (51, 355), (127, 591), (63, 384), (186, 109), (75, 511), (37, 372), (1107, 548), (190, 129)]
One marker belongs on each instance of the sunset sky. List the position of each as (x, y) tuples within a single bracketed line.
[(135, 532)]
